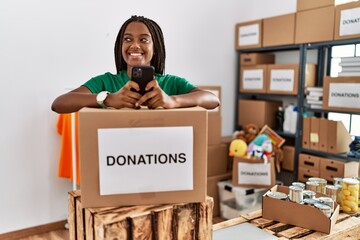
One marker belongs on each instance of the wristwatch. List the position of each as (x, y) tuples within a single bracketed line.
[(100, 98)]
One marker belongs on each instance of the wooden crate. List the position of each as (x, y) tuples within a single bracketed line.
[(179, 221), (347, 227)]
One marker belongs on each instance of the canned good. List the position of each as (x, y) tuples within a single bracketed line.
[(308, 194), (325, 209), (322, 183), (313, 186), (350, 195), (337, 181), (328, 201), (296, 194), (332, 191), (311, 201), (299, 184), (277, 195)]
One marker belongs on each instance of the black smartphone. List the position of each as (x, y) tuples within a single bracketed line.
[(142, 75)]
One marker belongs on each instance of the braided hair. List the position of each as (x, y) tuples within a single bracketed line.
[(158, 60)]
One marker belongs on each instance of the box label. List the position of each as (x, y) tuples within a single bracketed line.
[(249, 35), (282, 80), (254, 173), (140, 160), (350, 22), (344, 95), (253, 79)]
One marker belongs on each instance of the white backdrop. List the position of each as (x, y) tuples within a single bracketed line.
[(48, 46)]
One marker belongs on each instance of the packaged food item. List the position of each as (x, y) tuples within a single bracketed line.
[(322, 183), (328, 201), (350, 195), (312, 186), (296, 194), (300, 184), (333, 192), (324, 208), (308, 194)]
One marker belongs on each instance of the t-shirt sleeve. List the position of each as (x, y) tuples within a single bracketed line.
[(97, 84), (184, 86)]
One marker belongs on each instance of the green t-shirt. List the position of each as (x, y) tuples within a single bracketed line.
[(171, 85)]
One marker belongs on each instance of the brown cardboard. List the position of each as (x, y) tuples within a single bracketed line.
[(304, 174), (275, 138), (310, 73), (300, 215), (217, 159), (306, 133), (249, 59), (253, 84), (309, 161), (314, 133), (227, 141), (316, 25), (338, 23), (217, 91), (344, 80), (311, 4), (241, 42), (279, 30), (92, 119), (258, 112), (339, 138), (214, 129), (288, 160), (330, 168), (235, 174), (213, 190), (323, 134)]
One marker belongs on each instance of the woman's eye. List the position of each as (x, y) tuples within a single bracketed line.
[(127, 39), (145, 40)]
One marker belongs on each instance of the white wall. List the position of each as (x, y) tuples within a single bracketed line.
[(47, 46)]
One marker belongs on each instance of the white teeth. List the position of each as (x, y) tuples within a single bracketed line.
[(135, 54)]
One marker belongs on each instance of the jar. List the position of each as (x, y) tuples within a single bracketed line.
[(358, 178), (332, 191), (322, 183), (313, 186), (350, 195), (325, 209), (296, 194), (308, 194), (328, 201), (300, 184), (337, 181)]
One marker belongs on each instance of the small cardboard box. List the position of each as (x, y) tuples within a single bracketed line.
[(342, 94), (214, 129), (300, 215), (166, 147), (279, 30), (311, 4), (338, 137), (306, 133), (253, 79), (248, 35), (330, 168), (284, 78), (250, 59), (179, 221), (309, 161), (347, 24), (258, 112), (309, 30), (275, 138), (288, 161), (217, 159), (213, 190), (305, 173)]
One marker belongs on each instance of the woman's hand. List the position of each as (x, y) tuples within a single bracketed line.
[(125, 97)]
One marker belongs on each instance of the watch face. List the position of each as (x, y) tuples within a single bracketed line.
[(101, 96)]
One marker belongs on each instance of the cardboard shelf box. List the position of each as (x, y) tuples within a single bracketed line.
[(330, 168), (347, 23), (309, 161), (217, 160), (250, 59), (342, 94), (178, 221), (288, 160), (253, 78), (284, 78), (305, 173), (279, 30), (248, 34), (300, 215), (302, 5)]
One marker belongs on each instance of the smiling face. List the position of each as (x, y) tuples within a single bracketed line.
[(137, 45)]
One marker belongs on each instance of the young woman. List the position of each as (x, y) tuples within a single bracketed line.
[(140, 42)]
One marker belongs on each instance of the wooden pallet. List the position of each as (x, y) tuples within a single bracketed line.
[(346, 227)]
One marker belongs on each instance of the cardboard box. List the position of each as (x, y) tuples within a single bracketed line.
[(217, 159), (248, 35), (284, 78), (314, 133), (140, 222), (347, 24), (305, 173), (279, 30), (275, 138), (300, 215), (316, 25), (330, 168), (306, 133), (311, 4), (339, 138), (217, 91), (288, 160), (213, 190), (309, 161), (214, 129), (227, 141), (250, 59), (342, 94), (253, 79), (323, 134), (257, 174), (167, 148), (258, 112)]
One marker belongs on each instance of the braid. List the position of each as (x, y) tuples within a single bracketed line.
[(158, 60)]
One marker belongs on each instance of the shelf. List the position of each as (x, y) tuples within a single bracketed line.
[(332, 43), (265, 95), (271, 49), (327, 111), (285, 134), (341, 157)]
